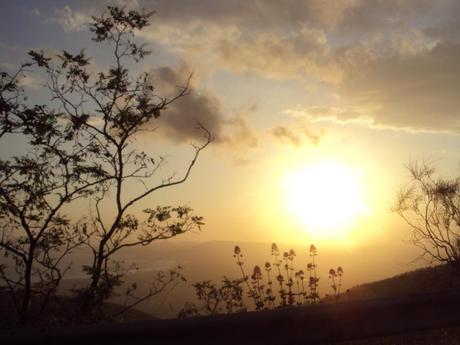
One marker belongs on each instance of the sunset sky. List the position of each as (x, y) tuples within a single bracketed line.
[(316, 106)]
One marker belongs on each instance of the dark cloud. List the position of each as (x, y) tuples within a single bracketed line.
[(179, 121)]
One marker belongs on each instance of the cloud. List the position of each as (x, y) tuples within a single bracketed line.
[(77, 16), (449, 28), (356, 17), (270, 38), (388, 63), (7, 67), (290, 39), (325, 113), (31, 82), (300, 53), (295, 138), (179, 121), (417, 91), (239, 133), (243, 162), (314, 137), (71, 20), (253, 13), (414, 91), (368, 17), (282, 132), (293, 39)]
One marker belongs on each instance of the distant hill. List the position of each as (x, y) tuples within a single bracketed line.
[(420, 281)]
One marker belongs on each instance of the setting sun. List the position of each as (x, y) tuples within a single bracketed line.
[(326, 196)]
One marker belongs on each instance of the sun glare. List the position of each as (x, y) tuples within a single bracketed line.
[(326, 197)]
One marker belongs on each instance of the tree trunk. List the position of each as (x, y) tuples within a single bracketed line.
[(24, 311)]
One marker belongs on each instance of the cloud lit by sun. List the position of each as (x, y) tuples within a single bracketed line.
[(327, 197)]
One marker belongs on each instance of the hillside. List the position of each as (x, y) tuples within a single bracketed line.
[(318, 324), (421, 281)]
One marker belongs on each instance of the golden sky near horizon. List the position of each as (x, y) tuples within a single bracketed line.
[(316, 106)]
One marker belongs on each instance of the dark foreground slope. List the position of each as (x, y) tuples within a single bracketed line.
[(302, 325), (423, 280), (61, 310), (438, 336)]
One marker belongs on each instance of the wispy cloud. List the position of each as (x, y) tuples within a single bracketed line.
[(297, 136)]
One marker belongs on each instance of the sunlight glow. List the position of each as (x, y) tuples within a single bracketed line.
[(326, 196)]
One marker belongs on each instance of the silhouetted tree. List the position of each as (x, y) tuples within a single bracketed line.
[(35, 190), (81, 145), (430, 205)]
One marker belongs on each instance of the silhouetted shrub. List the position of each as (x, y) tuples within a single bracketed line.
[(292, 288)]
